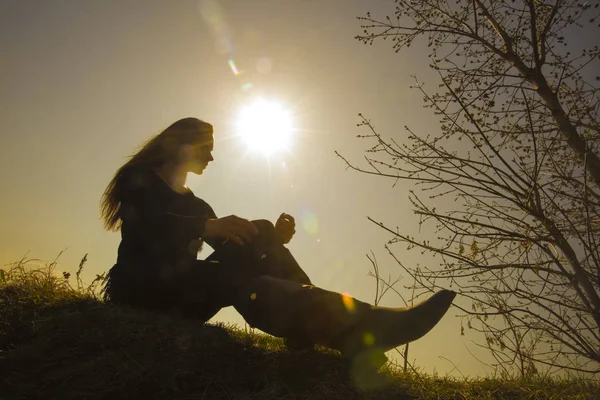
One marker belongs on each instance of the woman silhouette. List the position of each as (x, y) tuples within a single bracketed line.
[(163, 225)]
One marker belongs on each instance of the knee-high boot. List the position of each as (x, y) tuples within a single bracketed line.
[(313, 315)]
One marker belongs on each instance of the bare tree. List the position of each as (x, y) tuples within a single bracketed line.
[(513, 177)]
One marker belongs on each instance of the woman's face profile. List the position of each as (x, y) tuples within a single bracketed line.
[(196, 156)]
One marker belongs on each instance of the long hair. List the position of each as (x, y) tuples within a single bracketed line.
[(158, 150)]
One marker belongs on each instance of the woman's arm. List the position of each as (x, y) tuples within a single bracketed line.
[(148, 205), (232, 227)]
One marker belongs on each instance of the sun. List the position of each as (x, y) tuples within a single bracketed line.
[(265, 126)]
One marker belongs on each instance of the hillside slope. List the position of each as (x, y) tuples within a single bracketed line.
[(61, 343)]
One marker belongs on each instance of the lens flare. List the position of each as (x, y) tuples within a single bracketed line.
[(264, 65), (233, 67), (348, 302), (310, 222), (214, 18), (368, 339)]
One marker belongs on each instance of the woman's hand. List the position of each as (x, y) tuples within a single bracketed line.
[(240, 230), (285, 227)]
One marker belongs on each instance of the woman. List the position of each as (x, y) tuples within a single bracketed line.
[(163, 225)]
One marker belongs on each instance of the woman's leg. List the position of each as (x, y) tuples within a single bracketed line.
[(207, 287), (312, 315), (279, 261), (213, 283), (274, 294), (270, 290), (266, 255)]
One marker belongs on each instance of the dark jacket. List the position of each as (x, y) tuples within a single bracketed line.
[(161, 234)]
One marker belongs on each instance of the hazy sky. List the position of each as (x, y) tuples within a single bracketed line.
[(83, 83)]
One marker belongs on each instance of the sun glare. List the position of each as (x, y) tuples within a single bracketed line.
[(265, 126)]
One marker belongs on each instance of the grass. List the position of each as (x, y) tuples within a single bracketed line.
[(60, 342)]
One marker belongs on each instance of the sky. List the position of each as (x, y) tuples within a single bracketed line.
[(83, 83)]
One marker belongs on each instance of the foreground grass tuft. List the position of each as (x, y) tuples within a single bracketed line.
[(60, 342)]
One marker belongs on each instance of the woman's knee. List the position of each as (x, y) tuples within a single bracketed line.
[(265, 227), (265, 241)]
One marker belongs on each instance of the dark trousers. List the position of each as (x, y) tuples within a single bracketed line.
[(213, 283), (201, 290)]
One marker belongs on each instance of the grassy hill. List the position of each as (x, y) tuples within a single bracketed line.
[(57, 342)]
